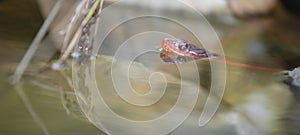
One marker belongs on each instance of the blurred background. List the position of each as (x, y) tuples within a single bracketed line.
[(259, 33)]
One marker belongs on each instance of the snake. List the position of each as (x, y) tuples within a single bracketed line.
[(174, 48)]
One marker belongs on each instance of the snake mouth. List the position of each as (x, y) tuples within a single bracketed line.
[(166, 46)]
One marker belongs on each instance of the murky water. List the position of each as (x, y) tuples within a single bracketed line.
[(20, 20), (253, 98)]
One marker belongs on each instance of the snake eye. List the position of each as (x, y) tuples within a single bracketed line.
[(182, 46)]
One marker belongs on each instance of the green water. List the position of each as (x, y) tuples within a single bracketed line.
[(19, 22), (47, 95)]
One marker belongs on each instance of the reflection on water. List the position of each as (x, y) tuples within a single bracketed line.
[(253, 98), (20, 20)]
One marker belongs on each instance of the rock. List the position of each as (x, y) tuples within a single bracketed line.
[(245, 8)]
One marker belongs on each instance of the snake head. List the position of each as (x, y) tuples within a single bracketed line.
[(174, 45), (184, 48)]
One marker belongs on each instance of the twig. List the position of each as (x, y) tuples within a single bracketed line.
[(99, 11), (91, 12), (58, 65), (75, 18), (97, 5), (35, 43), (30, 109)]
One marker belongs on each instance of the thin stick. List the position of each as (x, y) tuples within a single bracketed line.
[(57, 65), (75, 18), (35, 43), (91, 12), (97, 24), (30, 109)]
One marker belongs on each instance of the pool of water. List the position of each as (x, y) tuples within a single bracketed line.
[(45, 103)]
